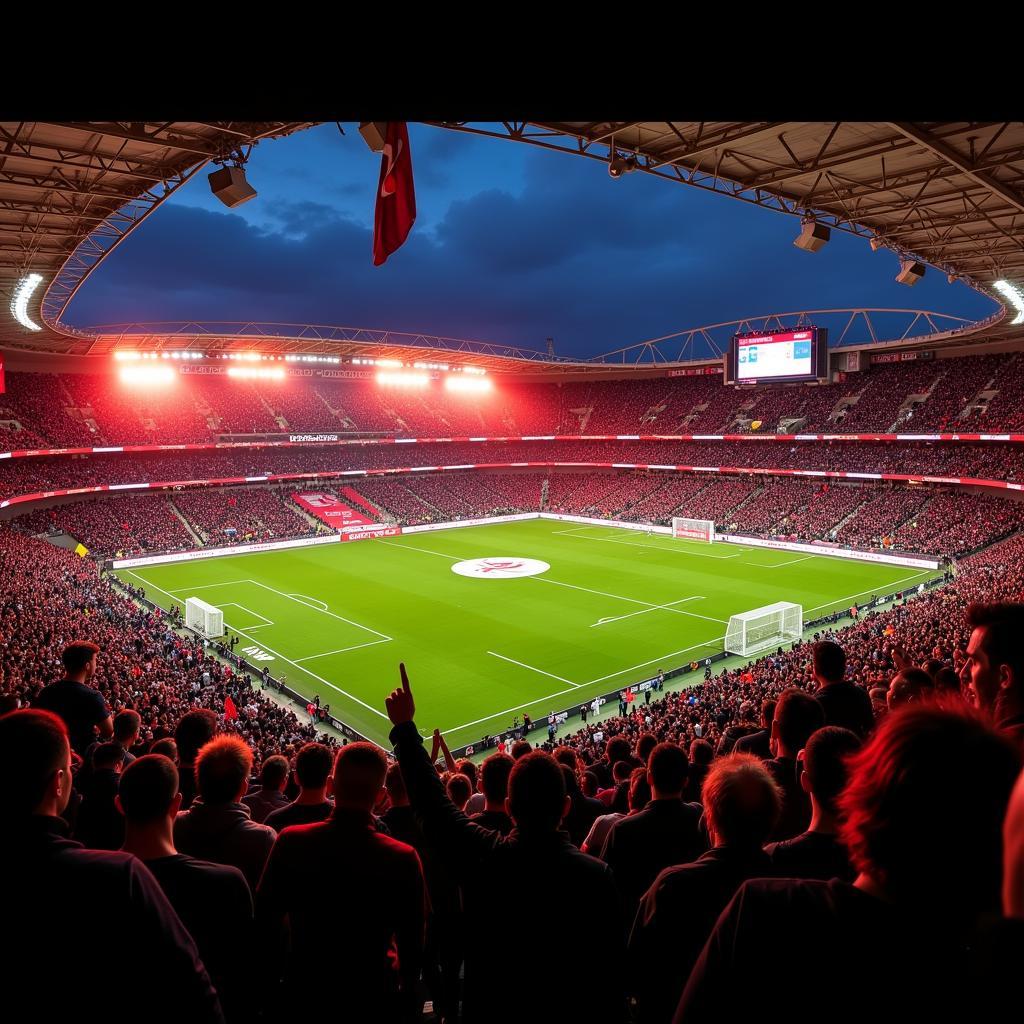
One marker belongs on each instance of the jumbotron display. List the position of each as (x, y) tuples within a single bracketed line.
[(779, 356)]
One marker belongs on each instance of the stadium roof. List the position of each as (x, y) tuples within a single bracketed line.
[(946, 193)]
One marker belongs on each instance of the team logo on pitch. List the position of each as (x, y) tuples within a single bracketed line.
[(500, 568)]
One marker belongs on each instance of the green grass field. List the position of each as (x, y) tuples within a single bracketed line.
[(612, 609)]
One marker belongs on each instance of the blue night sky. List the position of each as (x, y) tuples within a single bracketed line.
[(511, 244)]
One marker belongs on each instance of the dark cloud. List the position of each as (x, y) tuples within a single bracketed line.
[(553, 247)]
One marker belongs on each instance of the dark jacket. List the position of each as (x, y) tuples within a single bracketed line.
[(263, 802), (796, 804), (498, 872), (674, 920), (99, 825), (225, 834), (847, 705), (372, 963), (756, 743), (664, 833), (82, 928), (811, 855)]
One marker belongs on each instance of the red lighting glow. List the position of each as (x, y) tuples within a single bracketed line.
[(257, 372), (150, 376), (470, 384), (403, 380)]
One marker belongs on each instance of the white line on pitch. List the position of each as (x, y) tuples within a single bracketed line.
[(619, 597), (873, 590), (660, 547), (341, 650), (652, 661), (541, 671), (312, 600), (205, 586), (779, 565), (289, 661), (644, 611), (323, 611), (235, 604), (508, 711), (426, 551)]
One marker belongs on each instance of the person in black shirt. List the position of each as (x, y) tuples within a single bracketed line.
[(817, 853), (498, 870), (212, 900), (82, 929), (797, 716), (99, 825), (922, 817), (845, 704), (758, 743), (664, 833), (194, 730), (72, 699), (494, 775), (313, 771), (676, 915)]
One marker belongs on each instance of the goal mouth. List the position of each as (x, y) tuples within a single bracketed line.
[(693, 529), (764, 628)]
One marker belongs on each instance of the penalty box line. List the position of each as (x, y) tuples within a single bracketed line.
[(326, 682), (572, 686)]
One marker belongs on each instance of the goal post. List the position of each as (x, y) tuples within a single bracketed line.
[(204, 618), (693, 529), (764, 628)]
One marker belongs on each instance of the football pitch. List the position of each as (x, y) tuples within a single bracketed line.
[(611, 608)]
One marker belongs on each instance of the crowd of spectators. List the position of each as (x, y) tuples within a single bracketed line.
[(84, 409), (228, 515), (852, 788)]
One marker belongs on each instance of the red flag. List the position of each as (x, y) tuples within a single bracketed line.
[(396, 197), (230, 711)]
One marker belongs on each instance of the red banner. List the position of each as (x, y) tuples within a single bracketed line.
[(330, 509)]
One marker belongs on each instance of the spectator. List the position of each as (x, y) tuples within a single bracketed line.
[(56, 890), (818, 853), (583, 810), (494, 775), (82, 708), (845, 704), (797, 716), (758, 743), (313, 772), (194, 730), (639, 795), (98, 824), (497, 870), (270, 796), (459, 789), (741, 803), (212, 900), (168, 748), (399, 818), (701, 756), (908, 686), (994, 670), (664, 833), (923, 830), (385, 901), (218, 825)]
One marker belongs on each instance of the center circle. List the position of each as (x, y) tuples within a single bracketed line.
[(505, 567)]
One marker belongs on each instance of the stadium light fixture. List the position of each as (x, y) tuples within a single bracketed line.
[(229, 185), (150, 376), (402, 380), (475, 385), (813, 236), (1015, 297), (911, 271), (877, 242), (19, 304), (256, 372), (478, 370), (620, 165)]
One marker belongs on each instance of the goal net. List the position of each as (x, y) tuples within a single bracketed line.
[(694, 529), (764, 628), (204, 617)]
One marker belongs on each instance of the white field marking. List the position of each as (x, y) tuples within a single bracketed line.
[(295, 598), (312, 600), (266, 647), (205, 586), (873, 590), (541, 671), (340, 650), (632, 600), (574, 686), (426, 551), (659, 547), (235, 604), (664, 657), (323, 611), (779, 565), (576, 529), (644, 611)]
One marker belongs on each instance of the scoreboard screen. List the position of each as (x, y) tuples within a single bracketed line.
[(779, 356)]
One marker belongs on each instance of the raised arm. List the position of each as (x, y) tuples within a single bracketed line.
[(462, 841)]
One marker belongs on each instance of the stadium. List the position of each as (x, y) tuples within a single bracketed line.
[(732, 604)]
